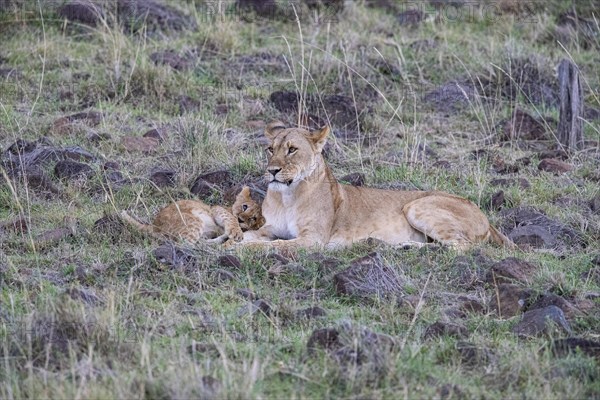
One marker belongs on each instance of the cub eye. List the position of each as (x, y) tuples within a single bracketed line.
[(270, 150), (292, 150), (244, 207)]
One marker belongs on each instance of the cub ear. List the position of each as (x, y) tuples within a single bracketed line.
[(273, 129), (319, 137), (245, 192)]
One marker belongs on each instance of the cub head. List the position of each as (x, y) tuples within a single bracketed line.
[(247, 211), (293, 154)]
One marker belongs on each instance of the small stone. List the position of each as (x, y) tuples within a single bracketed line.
[(258, 305), (510, 270), (88, 296), (549, 299), (155, 133), (555, 166), (498, 200), (223, 276), (542, 321), (163, 178), (311, 312), (354, 179), (82, 11), (201, 188), (229, 261), (67, 169), (521, 126), (410, 18), (246, 293), (326, 339), (556, 154), (439, 329), (510, 300), (473, 356)]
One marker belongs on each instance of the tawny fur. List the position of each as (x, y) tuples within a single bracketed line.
[(192, 220), (305, 205)]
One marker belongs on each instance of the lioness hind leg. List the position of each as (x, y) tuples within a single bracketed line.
[(449, 220)]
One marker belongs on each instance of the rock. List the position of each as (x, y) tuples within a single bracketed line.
[(153, 15), (594, 204), (258, 305), (88, 296), (139, 144), (442, 164), (18, 225), (450, 391), (52, 236), (506, 182), (246, 293), (223, 276), (542, 321), (555, 166), (557, 154), (204, 184), (551, 299), (510, 270), (564, 347), (530, 227), (510, 300), (201, 188), (474, 356), (521, 126), (172, 59), (173, 256), (368, 277), (439, 329), (20, 147), (97, 137), (325, 338), (163, 178), (498, 200), (354, 179), (286, 269), (259, 7), (310, 313), (70, 170), (410, 18), (77, 153), (451, 97), (187, 104), (110, 225), (220, 177), (229, 261), (158, 134), (39, 181), (81, 11)]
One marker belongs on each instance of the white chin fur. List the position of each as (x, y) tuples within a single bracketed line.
[(279, 187)]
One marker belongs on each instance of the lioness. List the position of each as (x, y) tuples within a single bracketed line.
[(305, 205)]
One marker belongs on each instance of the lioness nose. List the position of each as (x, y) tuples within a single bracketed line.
[(273, 171)]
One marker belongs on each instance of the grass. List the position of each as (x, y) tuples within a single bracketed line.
[(98, 315)]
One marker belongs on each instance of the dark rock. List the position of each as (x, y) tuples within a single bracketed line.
[(18, 225), (510, 270), (88, 296), (39, 181), (265, 9), (506, 182), (97, 137), (67, 169), (201, 188), (163, 178), (246, 293), (451, 97), (311, 312), (326, 339), (555, 166), (139, 144), (530, 227), (20, 147), (368, 277), (410, 18), (542, 321), (91, 118), (158, 134), (354, 179), (557, 154), (223, 276), (521, 126), (442, 164), (439, 329), (286, 269), (258, 305), (172, 59), (510, 300), (564, 347), (82, 11), (498, 200), (229, 261), (76, 153), (152, 14), (173, 256), (220, 177), (474, 356), (450, 391), (551, 299), (595, 204)]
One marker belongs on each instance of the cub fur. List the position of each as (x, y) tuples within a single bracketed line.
[(306, 206), (192, 220)]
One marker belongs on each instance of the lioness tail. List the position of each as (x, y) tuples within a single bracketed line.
[(500, 239)]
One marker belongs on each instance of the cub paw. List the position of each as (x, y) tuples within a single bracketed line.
[(236, 235)]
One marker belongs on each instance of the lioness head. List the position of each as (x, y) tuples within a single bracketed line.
[(247, 211), (293, 154)]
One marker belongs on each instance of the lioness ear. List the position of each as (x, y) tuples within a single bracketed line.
[(273, 129), (319, 137)]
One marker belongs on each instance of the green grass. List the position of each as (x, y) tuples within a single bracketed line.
[(135, 341)]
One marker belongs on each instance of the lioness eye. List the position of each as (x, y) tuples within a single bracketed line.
[(244, 207), (292, 150), (270, 150)]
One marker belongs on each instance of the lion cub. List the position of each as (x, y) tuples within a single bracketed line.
[(192, 220)]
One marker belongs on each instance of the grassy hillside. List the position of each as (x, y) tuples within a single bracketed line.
[(130, 105)]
